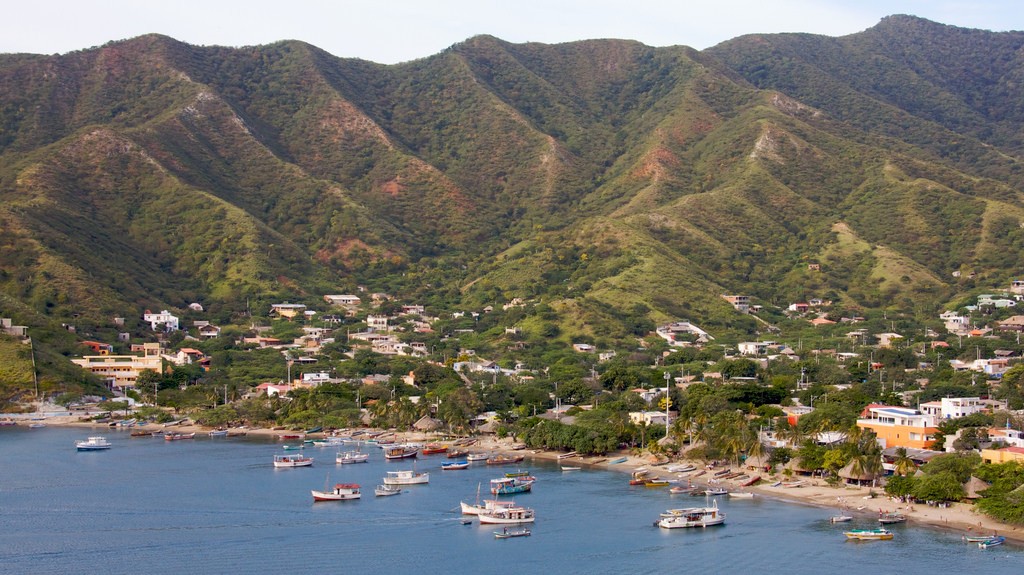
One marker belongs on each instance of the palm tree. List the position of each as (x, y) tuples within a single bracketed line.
[(903, 464)]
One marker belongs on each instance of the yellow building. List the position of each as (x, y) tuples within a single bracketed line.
[(899, 426), (121, 371), (1003, 455)]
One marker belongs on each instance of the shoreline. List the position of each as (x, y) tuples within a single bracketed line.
[(957, 518)]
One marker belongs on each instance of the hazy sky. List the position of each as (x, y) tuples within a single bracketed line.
[(390, 31)]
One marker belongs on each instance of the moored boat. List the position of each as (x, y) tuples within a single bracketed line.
[(341, 492), (691, 517), (507, 516), (879, 534), (96, 443), (487, 506), (656, 482), (502, 459), (887, 518), (406, 477), (177, 436), (841, 518), (386, 490), (457, 453), (433, 449), (992, 542), (477, 457), (741, 495), (292, 461), (568, 468), (715, 491), (455, 465), (511, 485), (346, 457), (978, 538), (400, 452), (217, 433)]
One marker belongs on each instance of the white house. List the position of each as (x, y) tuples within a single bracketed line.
[(164, 318), (343, 299), (754, 347)]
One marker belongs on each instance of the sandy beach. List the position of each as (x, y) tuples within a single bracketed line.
[(956, 518)]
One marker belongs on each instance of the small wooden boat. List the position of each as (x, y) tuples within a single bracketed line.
[(288, 436), (722, 473), (567, 455), (386, 490), (567, 468), (457, 453), (36, 425), (639, 477), (504, 459), (314, 430), (506, 534), (679, 489), (617, 461), (519, 473), (454, 465), (179, 436), (141, 433), (292, 447), (341, 492), (751, 481), (219, 433), (407, 477), (890, 518), (978, 538), (681, 468), (868, 534), (655, 482), (400, 452), (741, 495), (841, 518), (433, 448), (477, 457), (992, 542), (715, 491), (511, 485)]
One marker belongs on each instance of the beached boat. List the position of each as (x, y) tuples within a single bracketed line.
[(567, 455), (400, 452), (176, 436), (992, 542), (639, 477), (341, 492), (506, 534), (691, 517), (218, 433), (314, 430), (656, 482), (680, 468), (292, 461), (386, 490), (507, 516), (511, 485), (96, 443), (288, 436), (454, 465), (433, 449), (501, 459), (617, 461), (477, 457), (346, 457), (751, 481), (406, 477), (679, 489), (888, 518), (868, 534)]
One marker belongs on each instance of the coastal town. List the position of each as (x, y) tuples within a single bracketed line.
[(881, 414)]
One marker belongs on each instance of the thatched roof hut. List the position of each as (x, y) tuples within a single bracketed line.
[(973, 486), (427, 423)]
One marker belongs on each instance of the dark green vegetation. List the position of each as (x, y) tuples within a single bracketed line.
[(618, 185)]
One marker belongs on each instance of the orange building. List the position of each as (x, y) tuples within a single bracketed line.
[(899, 426)]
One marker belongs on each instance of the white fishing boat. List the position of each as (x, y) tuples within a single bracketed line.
[(341, 492), (386, 490), (92, 444), (477, 456), (568, 468), (329, 442), (691, 517), (346, 457), (292, 461), (741, 495), (406, 477), (841, 518), (507, 516), (219, 433), (716, 491)]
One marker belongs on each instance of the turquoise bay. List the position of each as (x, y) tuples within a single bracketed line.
[(218, 506)]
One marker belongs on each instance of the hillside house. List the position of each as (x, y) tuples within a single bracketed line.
[(1015, 323), (740, 302), (888, 339), (209, 331), (163, 321), (1017, 287), (343, 300), (754, 347), (121, 371), (377, 322), (287, 310), (899, 426), (98, 347)]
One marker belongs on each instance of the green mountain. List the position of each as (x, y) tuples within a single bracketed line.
[(617, 183)]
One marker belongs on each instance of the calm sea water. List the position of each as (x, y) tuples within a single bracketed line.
[(218, 506)]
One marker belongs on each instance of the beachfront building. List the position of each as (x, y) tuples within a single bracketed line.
[(899, 426), (121, 371)]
